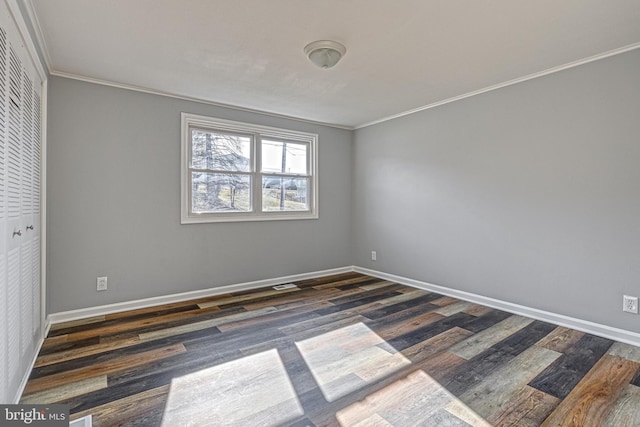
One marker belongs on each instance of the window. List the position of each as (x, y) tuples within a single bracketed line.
[(234, 171)]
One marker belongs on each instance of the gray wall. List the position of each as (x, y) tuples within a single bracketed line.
[(529, 194), (113, 187)]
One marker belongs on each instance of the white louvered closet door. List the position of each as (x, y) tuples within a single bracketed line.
[(4, 330), (20, 183)]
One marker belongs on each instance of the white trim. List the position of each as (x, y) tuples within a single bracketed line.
[(256, 133), (47, 327), (67, 316), (505, 84), (37, 29), (191, 98), (41, 41), (543, 73), (31, 50), (605, 331), (593, 328), (43, 208), (26, 38), (34, 58), (82, 422), (27, 374)]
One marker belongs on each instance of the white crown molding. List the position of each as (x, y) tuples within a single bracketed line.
[(505, 84), (37, 28), (190, 98), (83, 313), (41, 41), (543, 73), (593, 328), (32, 51)]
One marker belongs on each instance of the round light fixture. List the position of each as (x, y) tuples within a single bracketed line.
[(325, 53)]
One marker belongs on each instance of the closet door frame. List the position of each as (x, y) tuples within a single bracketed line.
[(18, 16)]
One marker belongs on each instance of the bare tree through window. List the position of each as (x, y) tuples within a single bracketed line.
[(221, 180), (234, 171)]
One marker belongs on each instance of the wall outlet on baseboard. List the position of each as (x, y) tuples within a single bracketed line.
[(630, 304), (374, 255), (101, 284)]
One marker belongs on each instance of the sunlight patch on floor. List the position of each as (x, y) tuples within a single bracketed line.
[(415, 400), (348, 359), (254, 390), (351, 358)]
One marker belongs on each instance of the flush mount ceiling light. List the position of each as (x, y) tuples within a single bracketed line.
[(325, 53)]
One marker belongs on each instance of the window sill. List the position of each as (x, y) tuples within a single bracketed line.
[(279, 216)]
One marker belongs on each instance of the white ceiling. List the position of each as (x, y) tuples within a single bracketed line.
[(402, 55)]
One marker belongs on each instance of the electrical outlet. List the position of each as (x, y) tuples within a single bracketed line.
[(101, 284), (630, 304), (374, 256)]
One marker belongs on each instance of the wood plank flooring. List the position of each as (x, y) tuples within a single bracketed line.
[(343, 350)]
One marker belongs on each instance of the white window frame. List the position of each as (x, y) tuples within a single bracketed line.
[(189, 121)]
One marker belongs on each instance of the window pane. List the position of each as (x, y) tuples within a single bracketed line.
[(216, 192), (284, 194), (284, 157), (220, 151)]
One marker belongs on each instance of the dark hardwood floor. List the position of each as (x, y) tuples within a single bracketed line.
[(342, 350)]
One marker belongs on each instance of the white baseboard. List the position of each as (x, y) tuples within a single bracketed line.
[(83, 313), (36, 352), (604, 331)]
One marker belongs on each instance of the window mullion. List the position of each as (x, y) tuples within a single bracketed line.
[(287, 175), (257, 170), (220, 171)]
